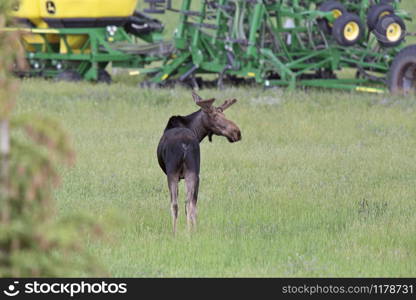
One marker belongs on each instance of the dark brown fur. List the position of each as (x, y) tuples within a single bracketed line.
[(178, 150)]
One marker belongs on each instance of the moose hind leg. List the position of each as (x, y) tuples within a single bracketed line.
[(192, 186), (173, 190)]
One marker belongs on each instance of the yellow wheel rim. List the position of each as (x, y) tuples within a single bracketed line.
[(384, 13), (394, 32), (336, 13), (351, 31)]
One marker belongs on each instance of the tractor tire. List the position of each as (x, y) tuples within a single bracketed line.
[(376, 12), (69, 76), (337, 9), (348, 30), (390, 31), (104, 77), (402, 75)]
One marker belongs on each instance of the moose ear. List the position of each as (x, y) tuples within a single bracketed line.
[(206, 105), (227, 104)]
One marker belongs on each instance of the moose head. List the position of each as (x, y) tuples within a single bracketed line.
[(214, 120)]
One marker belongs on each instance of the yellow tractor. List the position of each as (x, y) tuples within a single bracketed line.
[(75, 39)]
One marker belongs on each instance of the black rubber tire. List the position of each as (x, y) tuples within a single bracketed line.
[(339, 26), (402, 75), (328, 6), (381, 30), (69, 75), (375, 12), (331, 5), (104, 77)]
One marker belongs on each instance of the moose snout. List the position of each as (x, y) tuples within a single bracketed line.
[(238, 135), (235, 136)]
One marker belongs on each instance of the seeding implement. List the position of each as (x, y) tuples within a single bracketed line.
[(349, 44), (290, 43)]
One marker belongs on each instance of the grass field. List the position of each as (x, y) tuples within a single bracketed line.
[(322, 184)]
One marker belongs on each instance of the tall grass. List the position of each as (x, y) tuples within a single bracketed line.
[(322, 184)]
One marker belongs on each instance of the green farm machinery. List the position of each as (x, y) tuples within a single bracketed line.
[(349, 44), (289, 43), (74, 40)]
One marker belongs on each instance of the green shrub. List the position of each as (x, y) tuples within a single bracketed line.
[(32, 242)]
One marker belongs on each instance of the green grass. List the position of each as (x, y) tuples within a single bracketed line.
[(322, 184)]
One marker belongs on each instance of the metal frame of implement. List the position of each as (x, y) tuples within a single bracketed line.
[(270, 42), (276, 43)]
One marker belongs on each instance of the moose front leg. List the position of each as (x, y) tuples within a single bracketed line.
[(192, 186)]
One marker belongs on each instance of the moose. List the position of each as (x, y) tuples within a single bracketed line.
[(178, 151)]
